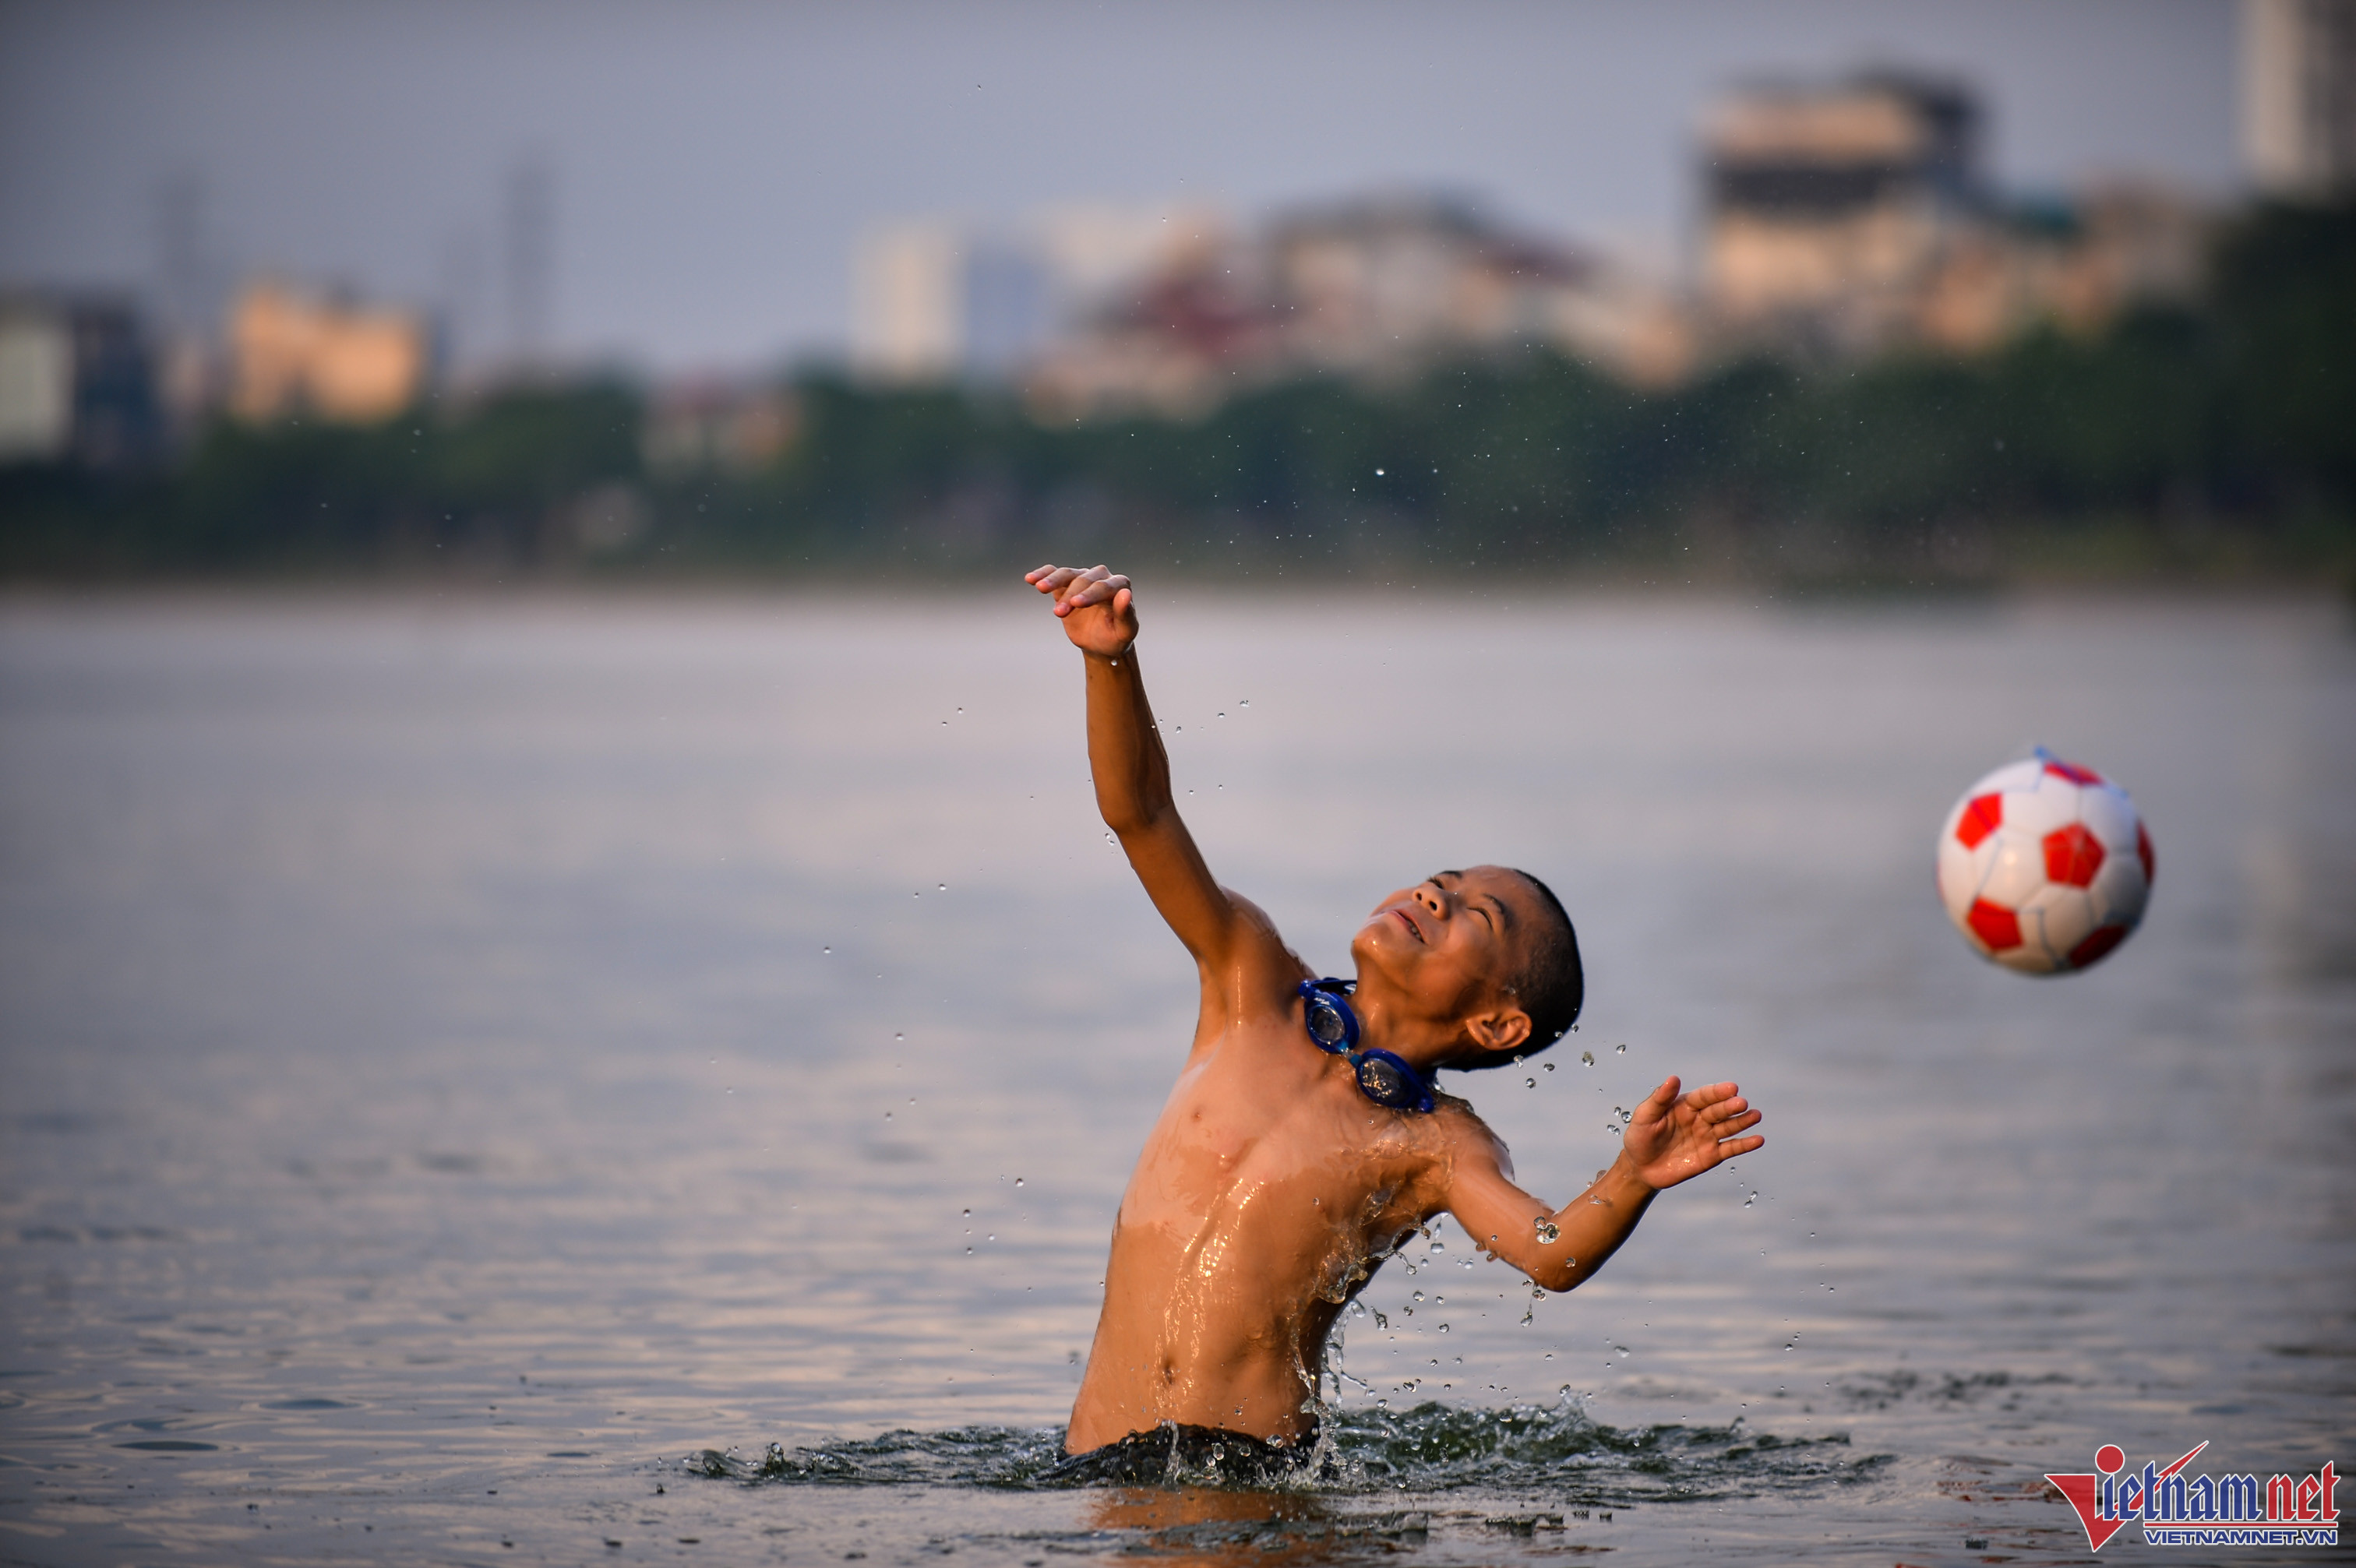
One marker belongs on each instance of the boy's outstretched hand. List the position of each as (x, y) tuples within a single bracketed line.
[(1672, 1140), (1099, 611)]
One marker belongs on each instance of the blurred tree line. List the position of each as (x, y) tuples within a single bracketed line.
[(2218, 436)]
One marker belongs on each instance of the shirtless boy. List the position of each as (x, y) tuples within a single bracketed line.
[(1282, 1171)]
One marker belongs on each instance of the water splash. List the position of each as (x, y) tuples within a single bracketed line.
[(1432, 1447)]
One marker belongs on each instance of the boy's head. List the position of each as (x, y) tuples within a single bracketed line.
[(1483, 959)]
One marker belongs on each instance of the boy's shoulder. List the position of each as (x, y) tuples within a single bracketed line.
[(1460, 1127), (1264, 949)]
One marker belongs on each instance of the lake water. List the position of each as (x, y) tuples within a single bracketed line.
[(477, 1072)]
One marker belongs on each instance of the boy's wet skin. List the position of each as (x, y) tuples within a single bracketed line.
[(1270, 1186)]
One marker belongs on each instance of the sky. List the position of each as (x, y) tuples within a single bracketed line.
[(710, 166)]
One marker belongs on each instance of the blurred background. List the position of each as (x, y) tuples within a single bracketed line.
[(467, 1051), (1817, 293)]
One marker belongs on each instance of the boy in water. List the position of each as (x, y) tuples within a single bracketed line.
[(1304, 1142)]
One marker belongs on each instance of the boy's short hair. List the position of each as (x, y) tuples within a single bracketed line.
[(1551, 988)]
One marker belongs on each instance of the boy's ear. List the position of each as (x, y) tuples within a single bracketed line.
[(1503, 1028)]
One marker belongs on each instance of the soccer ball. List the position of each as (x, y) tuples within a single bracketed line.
[(2044, 866)]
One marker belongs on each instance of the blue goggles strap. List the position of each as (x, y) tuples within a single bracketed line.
[(1383, 1077)]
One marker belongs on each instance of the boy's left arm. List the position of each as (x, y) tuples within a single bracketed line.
[(1671, 1138)]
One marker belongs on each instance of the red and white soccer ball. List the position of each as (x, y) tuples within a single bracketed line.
[(2044, 866)]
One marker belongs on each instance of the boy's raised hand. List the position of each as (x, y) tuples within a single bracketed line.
[(1672, 1138), (1098, 608)]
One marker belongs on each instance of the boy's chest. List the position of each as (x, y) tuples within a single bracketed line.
[(1270, 1123)]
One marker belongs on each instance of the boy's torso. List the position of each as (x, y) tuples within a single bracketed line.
[(1264, 1197)]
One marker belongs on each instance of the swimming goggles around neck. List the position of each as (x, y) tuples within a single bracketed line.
[(1383, 1077)]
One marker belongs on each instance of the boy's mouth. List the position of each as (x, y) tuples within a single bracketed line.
[(1413, 930)]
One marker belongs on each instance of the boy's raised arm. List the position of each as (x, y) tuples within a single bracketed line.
[(1131, 769)]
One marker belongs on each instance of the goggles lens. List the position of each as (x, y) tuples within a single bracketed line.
[(1325, 1026), (1384, 1085)]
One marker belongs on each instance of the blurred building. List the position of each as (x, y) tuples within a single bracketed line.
[(1377, 289), (2299, 94), (937, 302), (1853, 216), (76, 383), (1396, 284), (1828, 207), (296, 353)]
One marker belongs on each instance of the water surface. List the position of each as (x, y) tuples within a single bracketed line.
[(480, 1072)]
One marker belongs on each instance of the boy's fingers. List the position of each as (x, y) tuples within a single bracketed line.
[(1740, 1145), (1711, 1094)]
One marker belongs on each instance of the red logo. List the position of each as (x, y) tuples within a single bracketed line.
[(2178, 1510)]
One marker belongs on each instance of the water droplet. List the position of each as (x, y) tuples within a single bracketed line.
[(899, 1037), (1443, 1327), (969, 1252), (1537, 1293), (1018, 1181), (1438, 1248), (944, 887), (1549, 1232), (1378, 473), (1416, 1297), (1549, 1066), (1529, 1082), (967, 1212), (1622, 1051), (826, 950), (1587, 1058)]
